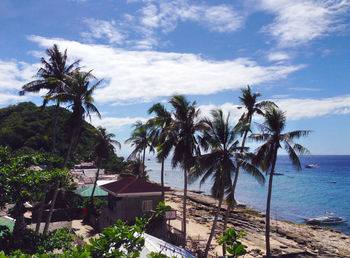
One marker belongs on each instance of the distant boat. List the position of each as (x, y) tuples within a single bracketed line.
[(325, 220), (277, 173), (332, 182), (312, 166)]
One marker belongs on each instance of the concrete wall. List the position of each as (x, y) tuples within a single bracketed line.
[(125, 209)]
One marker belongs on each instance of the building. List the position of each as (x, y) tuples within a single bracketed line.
[(129, 198)]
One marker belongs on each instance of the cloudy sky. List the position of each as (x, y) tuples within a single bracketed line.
[(295, 53)]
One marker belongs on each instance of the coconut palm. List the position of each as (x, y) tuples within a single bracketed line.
[(266, 155), (50, 78), (141, 141), (220, 161), (79, 94), (104, 145), (248, 100), (181, 137), (158, 125)]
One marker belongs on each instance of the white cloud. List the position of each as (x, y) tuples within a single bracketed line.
[(14, 74), (137, 76), (6, 98), (103, 29), (296, 109), (300, 21), (116, 123), (278, 56), (304, 89)]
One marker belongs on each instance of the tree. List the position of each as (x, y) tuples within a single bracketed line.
[(248, 101), (158, 126), (266, 155), (219, 141), (181, 137), (51, 78), (141, 141), (103, 146), (20, 183), (79, 94)]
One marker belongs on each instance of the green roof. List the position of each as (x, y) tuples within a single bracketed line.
[(6, 222), (86, 192)]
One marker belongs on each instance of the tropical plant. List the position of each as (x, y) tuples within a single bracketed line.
[(181, 137), (233, 247), (140, 140), (79, 94), (51, 78), (158, 126), (266, 155), (248, 101), (103, 146), (218, 139)]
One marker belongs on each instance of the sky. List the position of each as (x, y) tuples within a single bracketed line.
[(295, 53)]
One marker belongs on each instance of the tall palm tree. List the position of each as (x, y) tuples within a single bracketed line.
[(158, 125), (141, 141), (79, 94), (103, 147), (219, 162), (50, 78), (248, 100), (266, 156), (181, 137)]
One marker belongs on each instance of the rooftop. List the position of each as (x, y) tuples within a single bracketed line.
[(132, 186)]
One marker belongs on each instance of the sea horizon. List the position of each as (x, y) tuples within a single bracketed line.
[(296, 195)]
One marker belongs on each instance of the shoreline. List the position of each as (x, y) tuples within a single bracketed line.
[(287, 237)]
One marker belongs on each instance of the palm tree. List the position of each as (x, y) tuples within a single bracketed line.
[(219, 163), (249, 102), (79, 94), (181, 136), (141, 141), (50, 78), (266, 156), (158, 125), (103, 147)]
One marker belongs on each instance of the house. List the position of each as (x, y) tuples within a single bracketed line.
[(129, 198)]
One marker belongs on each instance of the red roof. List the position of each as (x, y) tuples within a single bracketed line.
[(132, 185)]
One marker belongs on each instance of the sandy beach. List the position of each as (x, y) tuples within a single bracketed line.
[(287, 239)]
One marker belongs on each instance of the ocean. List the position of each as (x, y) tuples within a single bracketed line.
[(296, 195)]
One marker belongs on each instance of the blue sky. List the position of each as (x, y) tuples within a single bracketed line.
[(293, 52)]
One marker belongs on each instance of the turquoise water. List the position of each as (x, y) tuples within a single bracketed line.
[(296, 195)]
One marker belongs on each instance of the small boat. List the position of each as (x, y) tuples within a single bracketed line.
[(325, 220), (312, 166), (332, 182)]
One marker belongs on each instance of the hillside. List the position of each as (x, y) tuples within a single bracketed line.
[(27, 129)]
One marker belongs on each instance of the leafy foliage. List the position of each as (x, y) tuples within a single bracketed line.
[(233, 246)]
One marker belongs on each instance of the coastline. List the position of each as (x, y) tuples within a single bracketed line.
[(286, 237)]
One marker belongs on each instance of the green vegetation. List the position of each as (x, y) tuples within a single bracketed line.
[(26, 129), (119, 240), (233, 247)]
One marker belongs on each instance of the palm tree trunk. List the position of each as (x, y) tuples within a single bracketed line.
[(268, 206), (212, 232), (162, 180), (48, 219), (233, 189), (95, 183), (53, 150), (143, 163), (184, 207), (40, 214), (69, 150), (20, 224)]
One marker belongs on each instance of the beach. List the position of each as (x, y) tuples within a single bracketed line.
[(287, 238)]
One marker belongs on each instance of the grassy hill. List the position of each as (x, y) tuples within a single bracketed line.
[(27, 129)]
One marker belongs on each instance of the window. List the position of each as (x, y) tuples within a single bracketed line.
[(147, 205)]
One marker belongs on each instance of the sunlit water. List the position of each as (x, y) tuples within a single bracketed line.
[(296, 195)]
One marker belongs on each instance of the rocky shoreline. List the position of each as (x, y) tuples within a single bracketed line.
[(287, 239)]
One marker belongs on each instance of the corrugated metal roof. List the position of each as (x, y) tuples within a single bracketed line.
[(86, 191)]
